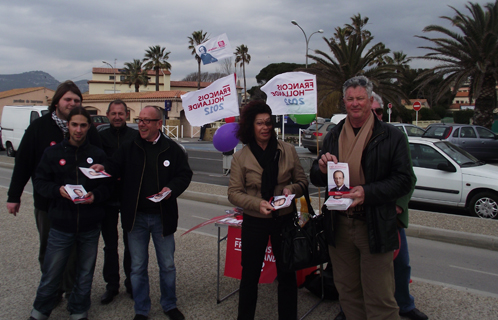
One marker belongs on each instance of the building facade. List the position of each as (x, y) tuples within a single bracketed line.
[(37, 96)]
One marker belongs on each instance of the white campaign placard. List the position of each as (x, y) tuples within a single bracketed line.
[(213, 103), (214, 49), (291, 93)]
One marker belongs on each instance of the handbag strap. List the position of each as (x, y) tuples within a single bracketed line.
[(306, 195)]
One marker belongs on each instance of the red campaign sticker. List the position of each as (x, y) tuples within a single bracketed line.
[(53, 143), (62, 162)]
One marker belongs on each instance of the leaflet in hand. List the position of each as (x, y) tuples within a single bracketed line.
[(280, 202), (338, 184), (158, 196), (92, 174), (77, 192)]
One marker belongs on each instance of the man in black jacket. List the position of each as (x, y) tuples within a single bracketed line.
[(112, 138), (44, 132), (151, 164), (362, 239)]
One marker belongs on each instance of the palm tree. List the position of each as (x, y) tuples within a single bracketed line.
[(156, 59), (468, 55), (356, 28), (242, 57), (135, 75), (350, 58), (196, 39)]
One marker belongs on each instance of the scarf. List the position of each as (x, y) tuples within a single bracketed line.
[(268, 160), (351, 148), (62, 124)]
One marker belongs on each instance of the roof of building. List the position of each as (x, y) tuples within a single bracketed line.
[(128, 96), (188, 84), (15, 92), (118, 71)]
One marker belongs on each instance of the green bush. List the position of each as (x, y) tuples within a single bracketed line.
[(463, 116)]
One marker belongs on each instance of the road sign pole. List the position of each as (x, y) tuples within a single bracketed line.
[(416, 118)]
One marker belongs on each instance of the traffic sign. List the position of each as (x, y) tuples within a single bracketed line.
[(417, 106), (390, 105)]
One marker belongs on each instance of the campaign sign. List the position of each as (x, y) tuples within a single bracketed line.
[(213, 103), (214, 49), (233, 269), (291, 93)]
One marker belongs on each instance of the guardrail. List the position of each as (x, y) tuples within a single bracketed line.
[(171, 131)]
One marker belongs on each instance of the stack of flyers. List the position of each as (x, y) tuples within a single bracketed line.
[(158, 196), (77, 192), (280, 202), (92, 174), (340, 204)]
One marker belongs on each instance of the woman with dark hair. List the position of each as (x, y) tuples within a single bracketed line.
[(70, 223), (265, 167)]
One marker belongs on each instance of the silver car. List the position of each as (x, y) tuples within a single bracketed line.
[(479, 141), (410, 129), (311, 134)]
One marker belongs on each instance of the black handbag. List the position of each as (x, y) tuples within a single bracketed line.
[(304, 247)]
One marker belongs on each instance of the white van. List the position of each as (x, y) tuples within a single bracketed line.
[(15, 121)]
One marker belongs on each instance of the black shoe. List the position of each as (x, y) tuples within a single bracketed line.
[(340, 316), (140, 317), (174, 314), (108, 296), (414, 314)]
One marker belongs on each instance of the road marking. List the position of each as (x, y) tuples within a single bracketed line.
[(202, 218), (484, 272), (219, 160)]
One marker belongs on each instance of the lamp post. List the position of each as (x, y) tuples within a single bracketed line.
[(114, 71), (306, 38)]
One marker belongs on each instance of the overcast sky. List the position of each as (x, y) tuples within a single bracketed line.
[(68, 38)]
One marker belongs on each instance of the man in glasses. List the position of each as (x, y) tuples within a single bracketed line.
[(112, 138), (362, 239), (148, 165)]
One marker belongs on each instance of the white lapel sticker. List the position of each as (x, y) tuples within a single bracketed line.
[(166, 163), (89, 160)]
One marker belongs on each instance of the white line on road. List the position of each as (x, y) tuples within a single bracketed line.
[(219, 160), (479, 271), (202, 218)]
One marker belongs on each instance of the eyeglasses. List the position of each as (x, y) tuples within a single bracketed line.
[(146, 121), (378, 111), (354, 82), (267, 123)]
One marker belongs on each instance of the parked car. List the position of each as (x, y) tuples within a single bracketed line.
[(104, 126), (448, 175), (310, 134), (410, 129), (1, 144), (99, 120), (479, 141)]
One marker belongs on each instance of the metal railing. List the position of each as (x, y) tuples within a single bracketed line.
[(171, 131)]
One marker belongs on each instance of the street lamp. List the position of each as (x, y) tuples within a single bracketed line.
[(306, 38), (114, 71)]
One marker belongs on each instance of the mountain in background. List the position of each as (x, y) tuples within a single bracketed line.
[(34, 79)]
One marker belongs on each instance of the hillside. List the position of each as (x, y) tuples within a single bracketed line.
[(34, 79)]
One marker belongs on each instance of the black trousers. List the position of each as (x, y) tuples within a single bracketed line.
[(111, 256), (255, 234)]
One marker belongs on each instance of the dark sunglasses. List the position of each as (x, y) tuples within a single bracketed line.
[(352, 81), (266, 123), (378, 111)]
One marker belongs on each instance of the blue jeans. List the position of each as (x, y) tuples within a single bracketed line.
[(57, 254), (402, 273), (138, 242)]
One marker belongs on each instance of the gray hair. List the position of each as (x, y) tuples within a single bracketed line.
[(358, 81), (378, 99)]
